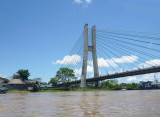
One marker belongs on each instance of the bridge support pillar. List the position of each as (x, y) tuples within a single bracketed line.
[(85, 56), (97, 84), (94, 55)]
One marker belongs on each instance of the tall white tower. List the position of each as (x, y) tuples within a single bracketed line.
[(87, 48)]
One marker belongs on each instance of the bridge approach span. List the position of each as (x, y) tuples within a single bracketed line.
[(123, 74)]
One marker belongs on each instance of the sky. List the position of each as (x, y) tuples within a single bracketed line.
[(36, 33)]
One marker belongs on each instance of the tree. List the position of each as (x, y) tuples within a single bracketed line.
[(5, 80), (108, 84), (24, 74), (111, 84), (53, 81), (16, 76), (132, 85), (65, 75)]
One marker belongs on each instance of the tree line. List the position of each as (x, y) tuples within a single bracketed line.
[(65, 75)]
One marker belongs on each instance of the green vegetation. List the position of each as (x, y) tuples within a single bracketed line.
[(111, 84), (4, 79), (81, 90), (63, 76), (21, 74), (53, 81), (91, 90), (132, 86), (18, 91), (49, 90), (24, 74), (61, 83)]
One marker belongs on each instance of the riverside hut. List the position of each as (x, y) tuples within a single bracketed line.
[(16, 84)]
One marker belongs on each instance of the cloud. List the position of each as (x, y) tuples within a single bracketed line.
[(3, 76), (102, 62), (90, 69), (79, 71), (78, 1), (150, 63), (86, 2), (126, 59), (145, 77), (114, 61), (106, 63), (69, 60), (132, 79)]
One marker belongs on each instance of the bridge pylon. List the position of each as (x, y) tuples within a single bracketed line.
[(91, 48)]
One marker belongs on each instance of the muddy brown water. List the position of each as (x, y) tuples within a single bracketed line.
[(138, 103)]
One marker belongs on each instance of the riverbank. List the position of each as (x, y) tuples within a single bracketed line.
[(75, 90), (50, 90), (18, 91)]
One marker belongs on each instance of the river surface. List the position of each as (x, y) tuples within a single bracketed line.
[(138, 103)]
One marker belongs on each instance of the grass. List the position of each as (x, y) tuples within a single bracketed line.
[(52, 90), (18, 91), (92, 90), (74, 90), (49, 90)]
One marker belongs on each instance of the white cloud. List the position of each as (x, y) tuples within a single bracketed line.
[(83, 1), (126, 59), (78, 71), (78, 1), (90, 69), (106, 63), (132, 79), (114, 61), (145, 77), (69, 60), (150, 63), (88, 1), (3, 76)]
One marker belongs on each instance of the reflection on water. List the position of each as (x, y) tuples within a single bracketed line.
[(144, 103)]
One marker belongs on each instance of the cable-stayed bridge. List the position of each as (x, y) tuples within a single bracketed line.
[(101, 54)]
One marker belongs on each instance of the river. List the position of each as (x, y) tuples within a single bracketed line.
[(135, 103)]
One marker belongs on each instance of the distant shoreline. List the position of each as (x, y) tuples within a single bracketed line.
[(78, 90)]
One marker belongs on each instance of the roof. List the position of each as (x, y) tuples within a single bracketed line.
[(16, 81)]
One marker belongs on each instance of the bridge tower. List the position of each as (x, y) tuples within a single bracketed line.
[(87, 48)]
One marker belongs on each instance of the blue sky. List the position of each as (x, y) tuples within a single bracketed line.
[(34, 33)]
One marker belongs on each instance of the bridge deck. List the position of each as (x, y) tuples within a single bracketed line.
[(123, 74), (128, 73)]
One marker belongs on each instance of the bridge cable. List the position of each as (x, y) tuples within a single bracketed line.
[(132, 39), (118, 56), (135, 45), (106, 61), (150, 55), (120, 50), (127, 51)]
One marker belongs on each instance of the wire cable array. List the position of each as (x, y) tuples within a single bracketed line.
[(117, 51)]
